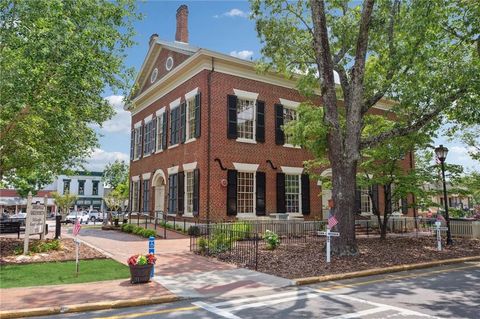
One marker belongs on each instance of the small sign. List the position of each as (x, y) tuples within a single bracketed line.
[(438, 229), (329, 234), (151, 250), (34, 221)]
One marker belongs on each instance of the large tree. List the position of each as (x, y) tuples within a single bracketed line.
[(422, 58), (57, 58)]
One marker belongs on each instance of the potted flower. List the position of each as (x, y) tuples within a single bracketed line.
[(141, 267)]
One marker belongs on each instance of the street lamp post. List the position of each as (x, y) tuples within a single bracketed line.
[(441, 153)]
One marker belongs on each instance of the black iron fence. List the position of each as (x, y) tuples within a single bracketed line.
[(240, 241)]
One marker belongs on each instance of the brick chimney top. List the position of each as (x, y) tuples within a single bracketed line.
[(181, 35), (153, 38)]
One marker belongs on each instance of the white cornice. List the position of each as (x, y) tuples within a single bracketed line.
[(172, 170), (175, 103), (244, 167), (191, 94), (289, 104), (292, 170), (190, 166), (245, 95), (146, 176)]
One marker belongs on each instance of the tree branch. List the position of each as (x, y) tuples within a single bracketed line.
[(300, 17)]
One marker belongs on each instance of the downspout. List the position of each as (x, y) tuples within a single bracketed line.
[(209, 82)]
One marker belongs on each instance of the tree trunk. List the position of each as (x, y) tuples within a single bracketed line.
[(387, 211), (343, 193)]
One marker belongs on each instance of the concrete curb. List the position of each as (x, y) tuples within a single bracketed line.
[(379, 271), (9, 314)]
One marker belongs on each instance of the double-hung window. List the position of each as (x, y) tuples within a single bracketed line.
[(246, 192), (81, 187), (66, 186), (160, 131), (146, 196), (245, 119), (138, 142), (189, 191), (191, 120), (289, 115), (365, 203), (95, 187), (175, 125), (135, 195), (292, 193), (173, 193)]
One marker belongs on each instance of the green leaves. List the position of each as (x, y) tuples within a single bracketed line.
[(57, 59)]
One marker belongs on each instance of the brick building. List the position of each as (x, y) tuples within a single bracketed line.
[(207, 137)]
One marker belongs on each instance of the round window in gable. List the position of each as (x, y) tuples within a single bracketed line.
[(153, 77), (169, 63)]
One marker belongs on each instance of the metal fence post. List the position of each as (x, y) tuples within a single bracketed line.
[(256, 251)]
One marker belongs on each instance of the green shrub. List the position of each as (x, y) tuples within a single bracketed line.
[(203, 244), (39, 247), (193, 230), (149, 233), (271, 239)]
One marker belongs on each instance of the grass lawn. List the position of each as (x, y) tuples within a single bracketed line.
[(57, 273)]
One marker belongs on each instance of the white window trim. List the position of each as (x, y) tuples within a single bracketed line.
[(289, 104), (135, 178), (148, 119), (146, 176), (249, 96), (189, 166), (172, 170), (137, 125), (173, 146), (247, 140), (187, 119), (245, 167), (175, 104), (300, 211), (191, 94), (292, 170), (160, 112), (241, 165), (291, 146), (245, 94)]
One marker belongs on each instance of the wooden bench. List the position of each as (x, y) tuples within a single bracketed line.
[(10, 228)]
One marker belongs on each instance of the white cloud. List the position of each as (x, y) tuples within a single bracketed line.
[(233, 13), (100, 158), (244, 54), (120, 122)]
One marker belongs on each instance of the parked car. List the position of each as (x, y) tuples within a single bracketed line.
[(74, 215), (19, 217), (95, 215)]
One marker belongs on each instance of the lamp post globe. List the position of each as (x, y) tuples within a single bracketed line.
[(441, 153)]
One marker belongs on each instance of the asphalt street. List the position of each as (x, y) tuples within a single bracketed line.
[(441, 292)]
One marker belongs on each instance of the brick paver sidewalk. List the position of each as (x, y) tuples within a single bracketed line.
[(62, 295)]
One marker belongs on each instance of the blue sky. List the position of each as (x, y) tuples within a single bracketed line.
[(221, 26)]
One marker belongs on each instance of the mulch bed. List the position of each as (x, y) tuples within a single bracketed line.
[(308, 259), (66, 252)]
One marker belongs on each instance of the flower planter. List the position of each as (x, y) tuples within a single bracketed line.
[(140, 273)]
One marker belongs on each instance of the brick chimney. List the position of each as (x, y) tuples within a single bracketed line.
[(153, 39), (181, 35)]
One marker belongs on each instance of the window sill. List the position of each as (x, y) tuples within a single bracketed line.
[(146, 155), (173, 146), (246, 140), (159, 151), (193, 139), (135, 159), (291, 146), (246, 215)]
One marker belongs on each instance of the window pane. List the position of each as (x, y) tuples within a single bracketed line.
[(365, 201), (288, 116), (292, 193), (159, 132), (191, 118), (189, 192), (245, 117), (245, 192)]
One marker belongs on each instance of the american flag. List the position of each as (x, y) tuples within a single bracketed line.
[(76, 228), (332, 221)]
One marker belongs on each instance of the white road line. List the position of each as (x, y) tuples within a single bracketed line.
[(376, 304), (259, 298), (361, 314), (215, 310), (272, 302)]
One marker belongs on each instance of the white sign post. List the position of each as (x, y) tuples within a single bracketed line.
[(35, 221), (329, 234), (438, 229)]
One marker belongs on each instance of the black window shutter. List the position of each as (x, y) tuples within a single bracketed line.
[(154, 135), (261, 184), (196, 191), (404, 206), (281, 193), (260, 130), (358, 200), (181, 192), (172, 125), (279, 135), (375, 196), (165, 131), (305, 194), (132, 144), (232, 192), (232, 117), (140, 196), (183, 121), (198, 122), (141, 140), (146, 136)]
